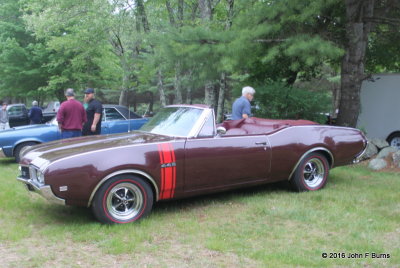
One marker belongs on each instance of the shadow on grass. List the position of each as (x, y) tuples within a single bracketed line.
[(219, 198), (67, 215), (7, 161)]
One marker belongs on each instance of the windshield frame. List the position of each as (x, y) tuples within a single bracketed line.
[(197, 126)]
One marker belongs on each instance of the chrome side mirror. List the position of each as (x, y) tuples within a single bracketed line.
[(221, 130)]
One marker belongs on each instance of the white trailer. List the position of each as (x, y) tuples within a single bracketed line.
[(380, 108)]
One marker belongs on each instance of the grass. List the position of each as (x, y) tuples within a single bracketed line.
[(269, 226)]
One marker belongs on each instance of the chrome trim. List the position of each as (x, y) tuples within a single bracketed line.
[(200, 123), (208, 113), (43, 190), (2, 155), (125, 171), (357, 159), (41, 163), (310, 151)]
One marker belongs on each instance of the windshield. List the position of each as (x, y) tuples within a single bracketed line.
[(173, 121), (53, 121)]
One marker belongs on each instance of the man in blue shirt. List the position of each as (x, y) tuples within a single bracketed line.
[(241, 108), (35, 113)]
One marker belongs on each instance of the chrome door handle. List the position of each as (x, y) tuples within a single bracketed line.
[(261, 143)]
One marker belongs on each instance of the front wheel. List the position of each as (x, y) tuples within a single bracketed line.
[(311, 174), (122, 199)]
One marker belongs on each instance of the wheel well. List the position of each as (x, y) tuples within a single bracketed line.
[(19, 144), (394, 133), (155, 197), (138, 173), (327, 155), (325, 152)]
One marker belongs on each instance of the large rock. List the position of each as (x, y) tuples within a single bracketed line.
[(380, 143), (396, 159), (370, 151), (386, 151), (377, 164)]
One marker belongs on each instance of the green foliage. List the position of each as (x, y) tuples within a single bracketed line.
[(21, 56), (277, 100), (47, 45), (75, 34)]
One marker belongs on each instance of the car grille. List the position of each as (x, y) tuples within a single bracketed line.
[(25, 172)]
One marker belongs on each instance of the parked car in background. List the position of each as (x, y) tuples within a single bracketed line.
[(379, 98), (52, 107), (50, 111), (116, 119), (179, 153), (18, 115)]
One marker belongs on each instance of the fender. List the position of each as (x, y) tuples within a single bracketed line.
[(124, 171), (331, 160)]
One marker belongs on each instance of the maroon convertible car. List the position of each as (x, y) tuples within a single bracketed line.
[(181, 152)]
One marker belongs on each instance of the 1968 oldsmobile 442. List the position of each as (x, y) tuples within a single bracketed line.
[(116, 119), (180, 152)]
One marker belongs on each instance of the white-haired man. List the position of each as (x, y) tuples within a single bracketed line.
[(241, 108), (35, 113)]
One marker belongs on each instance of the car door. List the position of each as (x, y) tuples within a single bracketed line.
[(225, 161)]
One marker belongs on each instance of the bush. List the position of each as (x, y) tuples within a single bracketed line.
[(277, 100)]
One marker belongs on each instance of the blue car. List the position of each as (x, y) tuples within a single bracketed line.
[(116, 119)]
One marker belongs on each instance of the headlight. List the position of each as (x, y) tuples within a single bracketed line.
[(36, 174), (40, 176)]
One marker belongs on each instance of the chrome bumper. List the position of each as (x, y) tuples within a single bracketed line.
[(2, 155), (43, 190), (359, 157)]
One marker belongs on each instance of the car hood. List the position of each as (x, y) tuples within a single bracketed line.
[(52, 151), (24, 128)]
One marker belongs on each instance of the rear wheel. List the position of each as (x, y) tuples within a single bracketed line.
[(122, 199), (311, 174)]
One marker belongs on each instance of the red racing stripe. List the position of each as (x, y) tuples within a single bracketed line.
[(173, 170), (168, 173), (162, 183)]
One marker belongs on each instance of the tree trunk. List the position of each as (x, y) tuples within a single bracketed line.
[(123, 97), (352, 75), (205, 10), (209, 96), (229, 21), (221, 99), (160, 87), (142, 15), (188, 76), (178, 84), (170, 13)]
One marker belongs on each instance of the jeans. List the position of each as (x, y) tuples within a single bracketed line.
[(65, 134)]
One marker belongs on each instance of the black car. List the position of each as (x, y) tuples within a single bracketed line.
[(18, 115)]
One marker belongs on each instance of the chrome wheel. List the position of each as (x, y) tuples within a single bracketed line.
[(395, 142), (124, 201), (314, 172)]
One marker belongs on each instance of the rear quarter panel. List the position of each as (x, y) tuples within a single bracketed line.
[(290, 144)]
